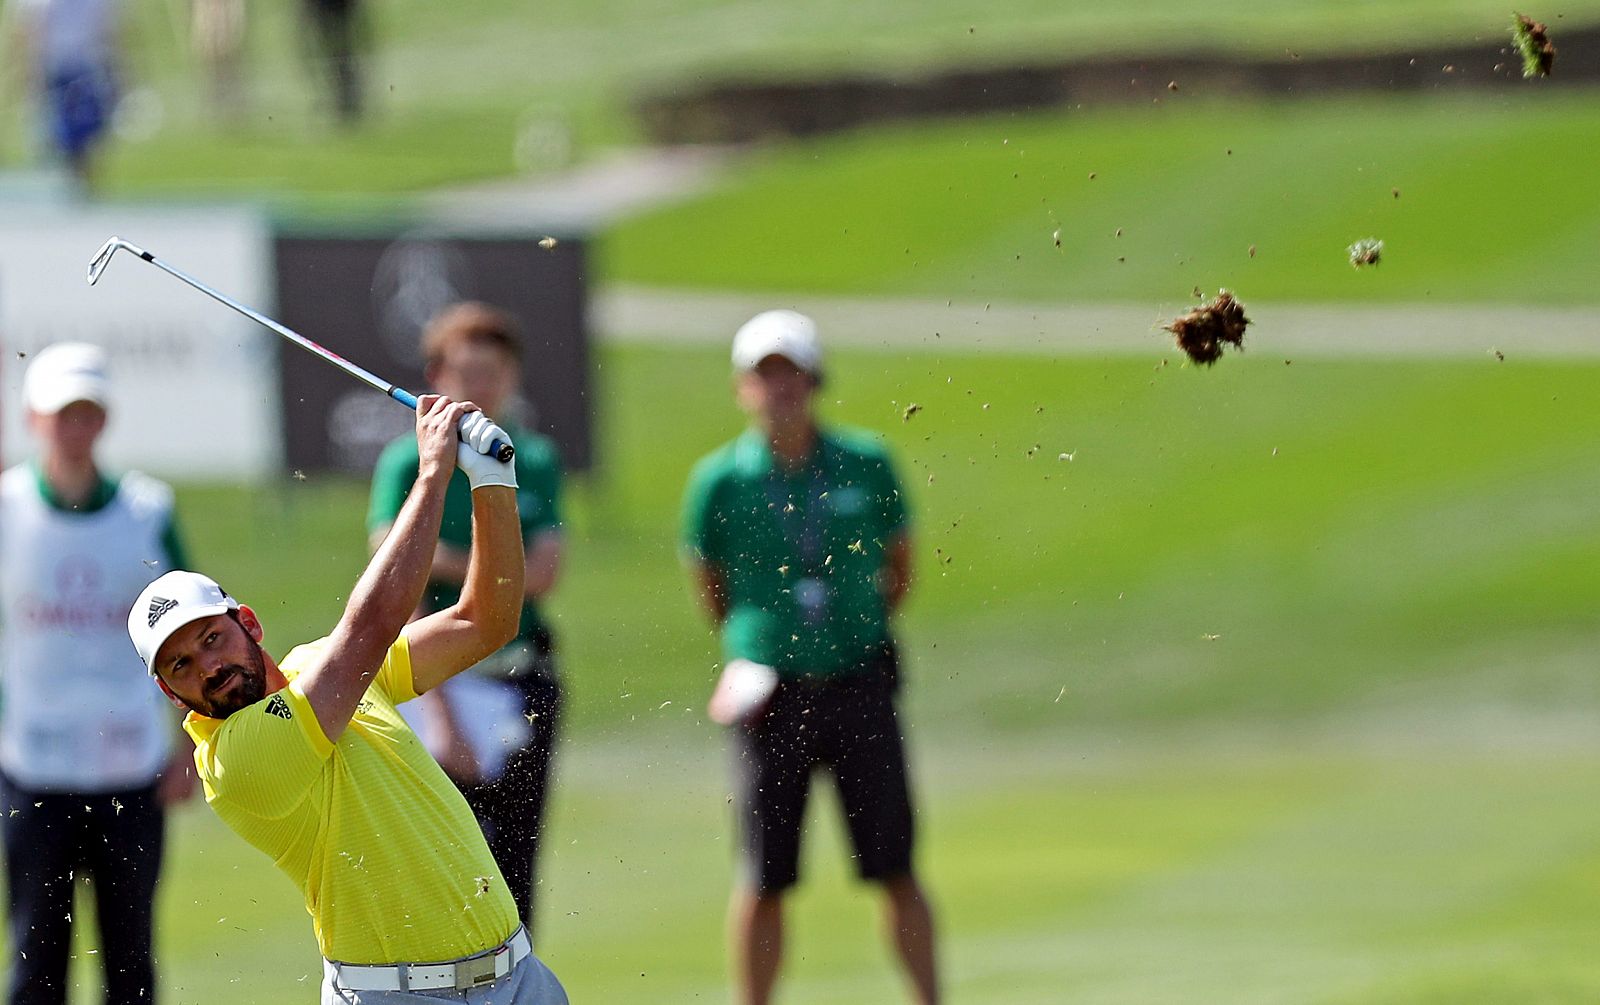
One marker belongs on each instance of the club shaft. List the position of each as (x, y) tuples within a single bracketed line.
[(498, 448), (360, 373)]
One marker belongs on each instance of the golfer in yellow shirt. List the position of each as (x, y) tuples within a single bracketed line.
[(309, 761)]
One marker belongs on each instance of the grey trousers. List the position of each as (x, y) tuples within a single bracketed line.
[(529, 983)]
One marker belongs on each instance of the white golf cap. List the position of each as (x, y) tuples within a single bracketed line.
[(63, 373), (169, 603), (789, 334)]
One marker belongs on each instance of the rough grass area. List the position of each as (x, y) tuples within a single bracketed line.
[(1143, 205)]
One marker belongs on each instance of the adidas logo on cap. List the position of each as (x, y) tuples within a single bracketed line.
[(158, 607)]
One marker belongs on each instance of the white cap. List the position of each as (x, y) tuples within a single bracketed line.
[(63, 373), (789, 334), (169, 603)]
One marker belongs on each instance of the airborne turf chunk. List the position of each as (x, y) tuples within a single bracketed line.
[(1367, 251), (1202, 332), (1533, 45)]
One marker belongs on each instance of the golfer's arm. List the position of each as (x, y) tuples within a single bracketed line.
[(383, 599), (486, 616), (712, 589)]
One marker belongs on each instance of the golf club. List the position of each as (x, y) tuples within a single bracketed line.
[(498, 449)]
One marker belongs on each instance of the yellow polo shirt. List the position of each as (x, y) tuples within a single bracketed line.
[(393, 867)]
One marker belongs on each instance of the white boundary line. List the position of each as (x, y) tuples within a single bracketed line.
[(641, 314)]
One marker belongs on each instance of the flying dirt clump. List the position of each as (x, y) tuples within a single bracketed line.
[(1367, 251), (1202, 332), (1533, 45)]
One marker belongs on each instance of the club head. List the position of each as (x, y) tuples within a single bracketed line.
[(102, 258)]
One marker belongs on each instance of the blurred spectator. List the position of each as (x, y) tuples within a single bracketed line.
[(492, 729), (216, 33), (337, 30), (88, 758), (76, 51), (801, 547)]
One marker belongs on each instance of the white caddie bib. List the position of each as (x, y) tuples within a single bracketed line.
[(78, 712)]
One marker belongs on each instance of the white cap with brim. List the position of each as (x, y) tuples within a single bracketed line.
[(63, 373), (166, 605), (789, 334)]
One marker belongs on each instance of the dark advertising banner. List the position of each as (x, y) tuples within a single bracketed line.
[(367, 299)]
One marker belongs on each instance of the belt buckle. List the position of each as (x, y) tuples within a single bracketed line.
[(476, 972)]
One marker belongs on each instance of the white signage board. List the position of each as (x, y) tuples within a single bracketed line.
[(194, 384)]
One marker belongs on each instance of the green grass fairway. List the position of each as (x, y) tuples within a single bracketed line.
[(1281, 689), (1152, 869), (1496, 204)]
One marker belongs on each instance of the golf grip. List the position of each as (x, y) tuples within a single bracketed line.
[(498, 449)]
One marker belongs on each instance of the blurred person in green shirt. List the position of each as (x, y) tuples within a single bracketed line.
[(799, 542), (493, 729)]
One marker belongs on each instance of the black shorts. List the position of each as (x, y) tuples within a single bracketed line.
[(849, 727)]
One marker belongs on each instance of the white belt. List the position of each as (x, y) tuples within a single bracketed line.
[(473, 972)]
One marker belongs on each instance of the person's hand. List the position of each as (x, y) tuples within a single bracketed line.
[(455, 756), (176, 783), (438, 419), (743, 693)]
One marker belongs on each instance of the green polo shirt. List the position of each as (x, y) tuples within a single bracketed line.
[(800, 552), (538, 503)]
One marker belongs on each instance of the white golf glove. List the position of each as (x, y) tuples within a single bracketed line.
[(477, 432)]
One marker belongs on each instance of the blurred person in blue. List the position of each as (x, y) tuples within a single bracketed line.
[(799, 540), (492, 729), (76, 48), (90, 756)]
